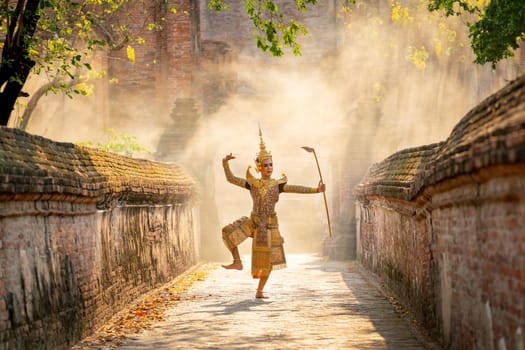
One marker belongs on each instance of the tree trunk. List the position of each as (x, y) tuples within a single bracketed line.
[(16, 63)]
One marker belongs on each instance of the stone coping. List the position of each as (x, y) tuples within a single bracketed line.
[(32, 166), (490, 135), (398, 176)]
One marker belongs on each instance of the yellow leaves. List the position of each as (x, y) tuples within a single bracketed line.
[(345, 12), (51, 45), (479, 3), (32, 52), (418, 56), (445, 40), (401, 14), (84, 89), (97, 74), (131, 53), (145, 313), (396, 13), (83, 24), (58, 45), (451, 35), (379, 91), (438, 48), (173, 10), (409, 32)]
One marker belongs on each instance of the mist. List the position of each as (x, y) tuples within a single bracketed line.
[(385, 87), (355, 107)]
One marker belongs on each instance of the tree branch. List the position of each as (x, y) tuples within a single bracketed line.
[(37, 95)]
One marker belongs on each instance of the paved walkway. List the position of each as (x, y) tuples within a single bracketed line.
[(313, 304)]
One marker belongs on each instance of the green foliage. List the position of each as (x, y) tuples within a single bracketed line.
[(409, 32), (454, 7), (57, 40), (118, 142), (68, 31), (53, 38), (498, 30), (273, 31), (218, 5)]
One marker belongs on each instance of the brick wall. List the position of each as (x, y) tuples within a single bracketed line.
[(480, 259), (82, 233), (234, 28), (393, 239), (165, 60), (443, 227), (185, 54)]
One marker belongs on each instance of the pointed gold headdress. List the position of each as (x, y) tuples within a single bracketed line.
[(263, 153)]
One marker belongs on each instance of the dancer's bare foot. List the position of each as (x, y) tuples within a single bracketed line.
[(236, 265), (260, 295)]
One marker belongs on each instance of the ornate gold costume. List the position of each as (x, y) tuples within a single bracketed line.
[(262, 225)]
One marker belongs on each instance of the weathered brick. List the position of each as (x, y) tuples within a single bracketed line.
[(63, 237), (472, 190)]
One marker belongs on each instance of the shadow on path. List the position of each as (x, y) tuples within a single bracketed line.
[(314, 304)]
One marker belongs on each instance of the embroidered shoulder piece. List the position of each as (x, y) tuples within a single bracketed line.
[(250, 179), (255, 182)]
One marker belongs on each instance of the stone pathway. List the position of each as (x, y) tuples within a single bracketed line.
[(313, 304)]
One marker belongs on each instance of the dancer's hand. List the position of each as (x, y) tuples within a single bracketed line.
[(321, 187), (228, 157)]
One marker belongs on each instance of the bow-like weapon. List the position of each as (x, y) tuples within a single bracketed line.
[(311, 150)]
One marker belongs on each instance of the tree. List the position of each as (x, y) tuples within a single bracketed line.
[(273, 29), (55, 38), (498, 28), (20, 24)]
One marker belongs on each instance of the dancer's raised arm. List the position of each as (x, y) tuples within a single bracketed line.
[(229, 175)]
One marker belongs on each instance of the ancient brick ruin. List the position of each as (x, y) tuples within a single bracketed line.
[(83, 233), (442, 226)]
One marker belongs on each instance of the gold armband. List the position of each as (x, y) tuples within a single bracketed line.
[(230, 177), (299, 189)]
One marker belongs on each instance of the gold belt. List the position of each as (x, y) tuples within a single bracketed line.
[(271, 221)]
